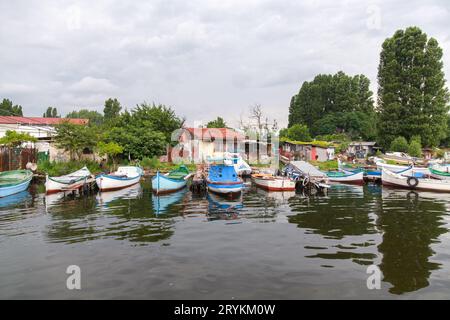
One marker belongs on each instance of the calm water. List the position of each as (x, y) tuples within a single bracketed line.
[(130, 244)]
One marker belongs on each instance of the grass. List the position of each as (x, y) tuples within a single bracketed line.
[(155, 164), (326, 165), (53, 168)]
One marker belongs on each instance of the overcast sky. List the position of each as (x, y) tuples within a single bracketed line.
[(203, 58)]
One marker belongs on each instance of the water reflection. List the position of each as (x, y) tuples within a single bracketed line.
[(411, 223), (351, 226), (163, 203), (126, 216), (22, 199)]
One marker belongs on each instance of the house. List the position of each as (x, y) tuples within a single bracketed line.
[(307, 151), (41, 128), (362, 149), (197, 144)]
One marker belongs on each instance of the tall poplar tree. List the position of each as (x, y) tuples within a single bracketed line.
[(412, 96)]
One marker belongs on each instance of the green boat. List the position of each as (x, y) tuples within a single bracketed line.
[(440, 174), (15, 181)]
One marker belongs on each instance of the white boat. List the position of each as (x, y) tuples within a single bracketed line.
[(399, 168), (394, 179), (124, 177), (273, 183), (70, 181), (346, 177), (240, 166)]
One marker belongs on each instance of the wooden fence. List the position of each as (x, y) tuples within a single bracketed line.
[(16, 158)]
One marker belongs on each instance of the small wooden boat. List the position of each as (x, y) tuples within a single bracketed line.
[(398, 168), (390, 178), (440, 172), (273, 183), (70, 181), (346, 177), (223, 179), (15, 181), (122, 178), (172, 181)]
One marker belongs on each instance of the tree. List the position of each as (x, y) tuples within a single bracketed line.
[(146, 131), (75, 138), (415, 148), (8, 109), (217, 123), (51, 113), (299, 132), (399, 144), (94, 117), (15, 139), (335, 104), (412, 97), (111, 149), (112, 109)]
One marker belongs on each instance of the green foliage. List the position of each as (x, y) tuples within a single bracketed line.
[(415, 149), (326, 165), (337, 137), (440, 154), (412, 97), (342, 147), (217, 123), (75, 138), (8, 109), (51, 113), (94, 117), (145, 131), (111, 149), (150, 163), (335, 104), (15, 139), (283, 133), (399, 144), (112, 109), (54, 169), (299, 132)]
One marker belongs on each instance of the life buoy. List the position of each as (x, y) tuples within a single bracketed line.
[(412, 182)]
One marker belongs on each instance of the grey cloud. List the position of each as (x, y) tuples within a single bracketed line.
[(201, 57)]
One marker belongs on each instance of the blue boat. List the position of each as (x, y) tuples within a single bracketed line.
[(223, 179), (15, 181), (173, 181)]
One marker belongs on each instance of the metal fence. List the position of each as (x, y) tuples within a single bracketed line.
[(16, 158)]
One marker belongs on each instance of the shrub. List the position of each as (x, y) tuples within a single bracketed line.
[(399, 144)]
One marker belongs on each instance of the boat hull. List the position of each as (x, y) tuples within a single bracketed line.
[(275, 184), (110, 183), (393, 179), (71, 181), (8, 191), (355, 178), (397, 168), (225, 188), (164, 185)]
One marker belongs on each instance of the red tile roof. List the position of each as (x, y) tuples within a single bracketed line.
[(209, 133), (39, 121)]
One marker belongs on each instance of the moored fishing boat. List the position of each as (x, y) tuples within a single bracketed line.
[(223, 179), (346, 177), (173, 181), (390, 178), (399, 168), (441, 172), (124, 177), (15, 181), (273, 183), (68, 182)]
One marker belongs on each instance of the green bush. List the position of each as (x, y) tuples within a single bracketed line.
[(399, 144), (54, 169), (150, 163), (415, 149)]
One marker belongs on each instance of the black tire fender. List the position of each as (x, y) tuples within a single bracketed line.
[(412, 182)]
